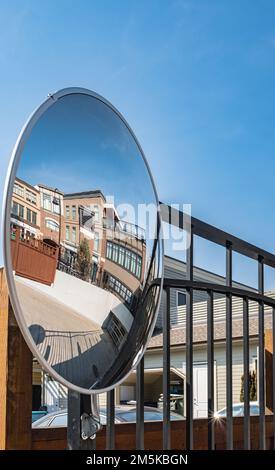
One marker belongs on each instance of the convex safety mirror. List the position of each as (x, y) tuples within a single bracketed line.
[(83, 251)]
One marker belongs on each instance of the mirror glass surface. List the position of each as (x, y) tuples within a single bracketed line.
[(83, 242)]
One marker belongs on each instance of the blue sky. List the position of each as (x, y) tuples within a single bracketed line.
[(80, 144), (195, 80)]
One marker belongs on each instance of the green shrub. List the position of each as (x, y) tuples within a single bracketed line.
[(252, 387)]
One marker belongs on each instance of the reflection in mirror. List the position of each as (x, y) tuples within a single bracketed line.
[(84, 243)]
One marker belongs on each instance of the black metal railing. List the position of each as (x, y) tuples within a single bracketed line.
[(231, 244), (229, 292), (63, 266)]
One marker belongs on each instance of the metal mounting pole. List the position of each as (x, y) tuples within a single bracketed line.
[(83, 421)]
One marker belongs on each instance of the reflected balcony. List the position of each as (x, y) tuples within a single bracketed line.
[(128, 228)]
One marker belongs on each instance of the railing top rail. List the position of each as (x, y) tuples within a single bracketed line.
[(219, 288), (214, 234), (127, 227)]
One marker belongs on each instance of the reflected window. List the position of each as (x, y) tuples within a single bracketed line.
[(126, 258), (94, 272), (96, 242), (133, 263), (17, 209), (121, 256), (109, 250), (67, 232), (31, 197), (74, 212), (138, 270), (115, 285), (31, 216), (115, 253), (96, 212), (74, 234), (52, 225), (18, 189), (56, 205), (47, 202), (67, 212), (115, 329)]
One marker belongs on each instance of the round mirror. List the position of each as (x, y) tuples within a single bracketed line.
[(83, 251)]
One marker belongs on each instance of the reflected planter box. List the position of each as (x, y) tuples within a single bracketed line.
[(33, 259)]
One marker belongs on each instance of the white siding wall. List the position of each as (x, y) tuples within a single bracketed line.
[(102, 400), (175, 269)]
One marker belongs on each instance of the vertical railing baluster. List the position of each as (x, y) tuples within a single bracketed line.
[(229, 419), (261, 368), (210, 370), (140, 406), (189, 342), (273, 372), (166, 374), (110, 425), (246, 368)]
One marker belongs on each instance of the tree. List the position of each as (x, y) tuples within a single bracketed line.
[(84, 259), (252, 387)]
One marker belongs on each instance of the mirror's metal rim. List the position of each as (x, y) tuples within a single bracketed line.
[(7, 195)]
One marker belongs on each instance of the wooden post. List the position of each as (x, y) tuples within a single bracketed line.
[(15, 378)]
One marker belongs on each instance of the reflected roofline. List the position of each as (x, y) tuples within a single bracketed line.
[(85, 194), (20, 180), (54, 190)]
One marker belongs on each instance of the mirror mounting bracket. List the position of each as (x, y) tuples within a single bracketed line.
[(90, 425), (83, 421), (89, 418)]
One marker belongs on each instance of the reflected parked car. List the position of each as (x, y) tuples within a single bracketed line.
[(238, 410), (38, 414), (123, 414)]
